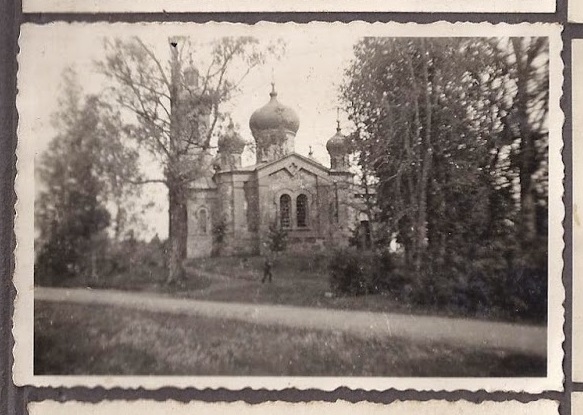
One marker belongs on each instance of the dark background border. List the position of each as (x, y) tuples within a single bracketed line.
[(13, 400)]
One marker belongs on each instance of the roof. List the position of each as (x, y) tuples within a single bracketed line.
[(261, 166)]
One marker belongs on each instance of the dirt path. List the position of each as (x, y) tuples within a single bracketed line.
[(461, 332)]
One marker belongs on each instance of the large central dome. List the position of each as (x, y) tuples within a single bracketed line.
[(274, 116)]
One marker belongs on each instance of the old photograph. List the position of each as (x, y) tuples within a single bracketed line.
[(433, 407), (283, 205)]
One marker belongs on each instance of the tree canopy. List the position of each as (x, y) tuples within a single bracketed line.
[(84, 170), (454, 131), (174, 107)]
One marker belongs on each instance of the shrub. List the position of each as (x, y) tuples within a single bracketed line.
[(493, 284), (512, 286), (355, 272), (277, 238)]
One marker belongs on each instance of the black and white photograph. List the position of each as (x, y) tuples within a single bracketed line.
[(276, 205)]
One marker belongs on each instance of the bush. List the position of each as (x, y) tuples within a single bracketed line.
[(496, 285), (277, 238), (354, 272), (512, 288)]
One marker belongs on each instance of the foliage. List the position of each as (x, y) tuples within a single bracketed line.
[(276, 238), (220, 231), (132, 256), (510, 287), (78, 175), (173, 110), (356, 272), (454, 132)]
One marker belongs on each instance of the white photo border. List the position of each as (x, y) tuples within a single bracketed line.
[(433, 407), (411, 6)]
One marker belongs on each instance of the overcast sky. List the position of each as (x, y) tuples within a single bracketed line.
[(306, 77)]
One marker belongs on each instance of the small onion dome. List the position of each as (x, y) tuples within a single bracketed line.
[(337, 144), (274, 116), (231, 142)]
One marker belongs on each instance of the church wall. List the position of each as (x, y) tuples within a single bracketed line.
[(295, 182), (233, 211), (246, 203), (201, 210), (342, 228)]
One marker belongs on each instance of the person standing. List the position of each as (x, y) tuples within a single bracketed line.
[(267, 269)]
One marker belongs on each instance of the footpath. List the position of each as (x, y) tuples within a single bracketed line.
[(461, 332)]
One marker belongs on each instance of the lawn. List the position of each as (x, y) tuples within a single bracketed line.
[(303, 280), (97, 340), (299, 280), (143, 277)]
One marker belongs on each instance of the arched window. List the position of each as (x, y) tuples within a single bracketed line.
[(202, 221), (302, 210), (285, 211)]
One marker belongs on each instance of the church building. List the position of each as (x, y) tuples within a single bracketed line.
[(233, 209)]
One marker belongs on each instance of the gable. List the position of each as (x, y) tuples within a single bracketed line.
[(294, 165)]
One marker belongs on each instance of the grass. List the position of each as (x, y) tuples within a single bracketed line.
[(303, 280), (72, 339), (299, 280), (149, 278)]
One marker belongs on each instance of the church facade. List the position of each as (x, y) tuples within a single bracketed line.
[(233, 210)]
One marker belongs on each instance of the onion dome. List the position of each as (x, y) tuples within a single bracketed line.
[(231, 142), (337, 144), (274, 116)]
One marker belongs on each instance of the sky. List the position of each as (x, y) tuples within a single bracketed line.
[(307, 77)]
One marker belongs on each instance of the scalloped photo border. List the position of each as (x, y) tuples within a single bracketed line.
[(174, 6), (25, 189), (433, 407)]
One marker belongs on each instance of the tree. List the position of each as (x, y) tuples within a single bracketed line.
[(526, 61), (438, 122), (175, 109), (79, 177)]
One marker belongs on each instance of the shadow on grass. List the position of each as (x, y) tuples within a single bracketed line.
[(101, 340)]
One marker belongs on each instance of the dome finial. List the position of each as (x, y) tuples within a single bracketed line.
[(273, 92), (338, 119)]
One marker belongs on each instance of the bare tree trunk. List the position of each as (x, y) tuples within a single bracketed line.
[(177, 191), (177, 233), (427, 149), (368, 207), (527, 147), (426, 156)]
